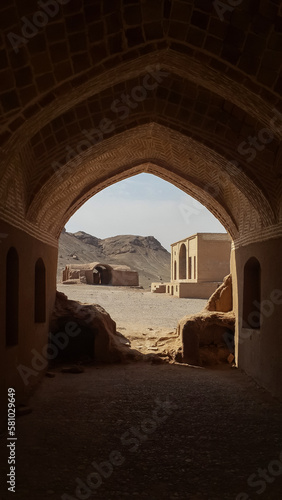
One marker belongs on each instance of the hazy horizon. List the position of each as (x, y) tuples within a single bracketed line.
[(144, 205)]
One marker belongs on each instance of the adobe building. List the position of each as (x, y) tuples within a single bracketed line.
[(97, 273), (198, 265), (96, 93)]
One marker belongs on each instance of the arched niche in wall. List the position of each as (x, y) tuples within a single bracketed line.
[(12, 297), (183, 262), (175, 270)]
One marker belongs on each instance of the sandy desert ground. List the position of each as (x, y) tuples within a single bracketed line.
[(141, 316)]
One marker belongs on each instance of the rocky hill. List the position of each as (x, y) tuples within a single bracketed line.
[(144, 254)]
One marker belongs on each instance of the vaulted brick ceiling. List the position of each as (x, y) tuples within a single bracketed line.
[(220, 83)]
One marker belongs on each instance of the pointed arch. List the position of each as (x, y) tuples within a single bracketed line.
[(183, 262), (12, 297)]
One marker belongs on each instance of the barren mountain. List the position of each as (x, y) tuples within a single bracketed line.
[(144, 254)]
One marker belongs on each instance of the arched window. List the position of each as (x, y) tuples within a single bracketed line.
[(175, 270), (40, 292), (189, 268), (252, 294), (12, 297), (182, 262)]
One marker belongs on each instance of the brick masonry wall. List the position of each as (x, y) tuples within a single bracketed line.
[(221, 84)]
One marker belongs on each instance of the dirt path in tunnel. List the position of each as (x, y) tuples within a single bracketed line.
[(149, 432)]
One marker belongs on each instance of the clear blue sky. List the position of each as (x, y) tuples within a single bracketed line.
[(144, 205)]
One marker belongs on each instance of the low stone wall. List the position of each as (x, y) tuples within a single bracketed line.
[(124, 278), (201, 290), (158, 287), (192, 290), (89, 277)]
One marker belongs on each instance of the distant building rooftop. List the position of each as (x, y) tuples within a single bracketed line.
[(209, 236)]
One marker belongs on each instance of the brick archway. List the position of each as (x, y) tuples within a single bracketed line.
[(104, 90), (193, 167)]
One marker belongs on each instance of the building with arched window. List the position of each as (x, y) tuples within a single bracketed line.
[(198, 265), (96, 273)]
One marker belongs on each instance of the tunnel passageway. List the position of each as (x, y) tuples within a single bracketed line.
[(149, 432)]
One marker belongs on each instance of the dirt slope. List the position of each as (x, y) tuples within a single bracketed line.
[(144, 254)]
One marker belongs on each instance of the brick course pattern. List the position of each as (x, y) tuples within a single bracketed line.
[(221, 84)]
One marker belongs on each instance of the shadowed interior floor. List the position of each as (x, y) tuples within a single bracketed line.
[(180, 433)]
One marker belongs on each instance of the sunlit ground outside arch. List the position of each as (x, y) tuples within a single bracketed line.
[(142, 205)]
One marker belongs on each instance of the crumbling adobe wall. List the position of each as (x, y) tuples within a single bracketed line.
[(91, 332), (221, 299), (205, 335)]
